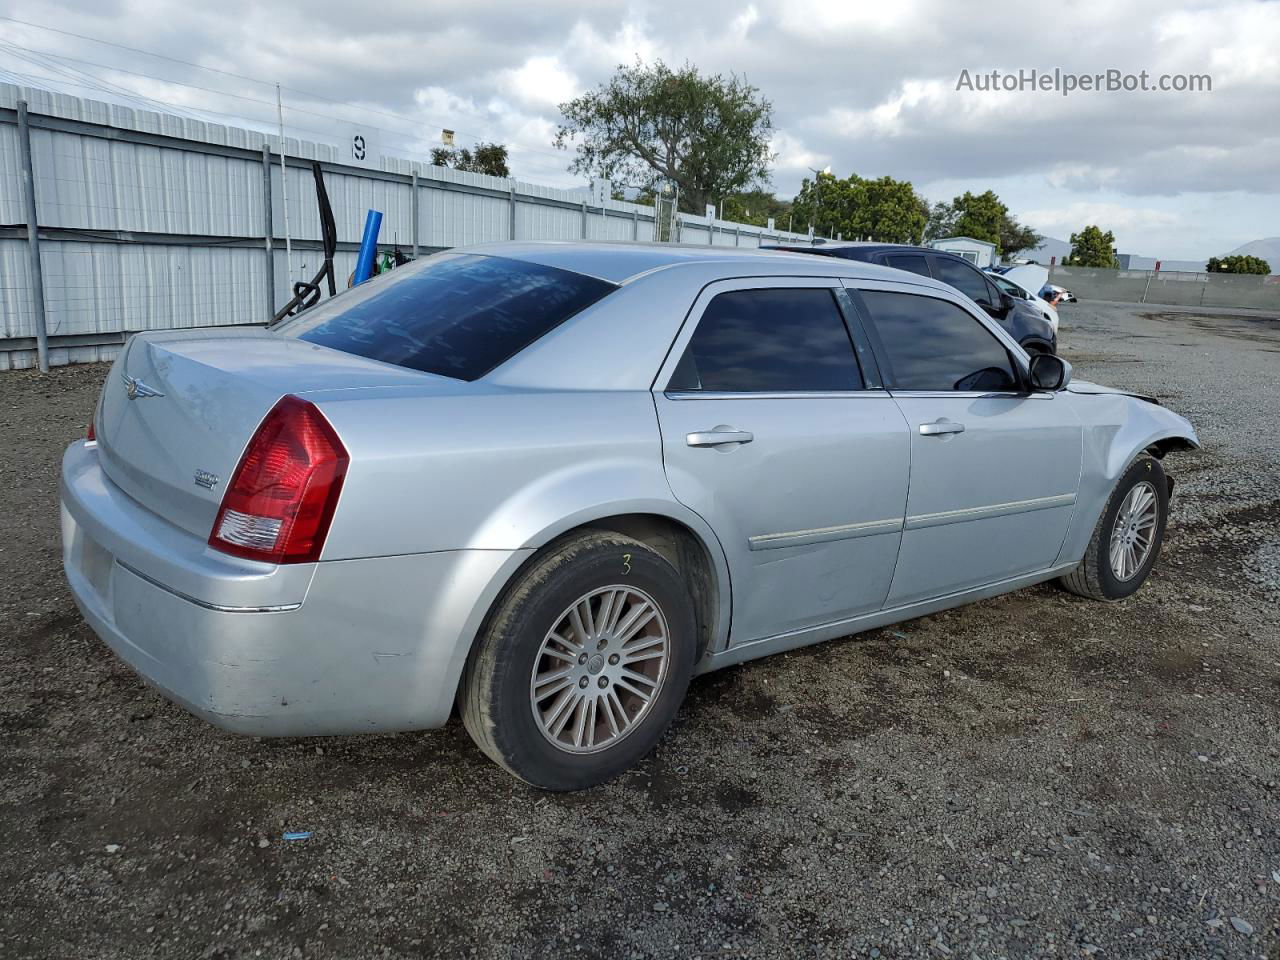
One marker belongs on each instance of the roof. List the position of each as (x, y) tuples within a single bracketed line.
[(982, 243), (623, 262)]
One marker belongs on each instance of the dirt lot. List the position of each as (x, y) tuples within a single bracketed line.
[(1036, 775)]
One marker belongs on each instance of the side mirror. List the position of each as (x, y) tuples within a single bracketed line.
[(1049, 373)]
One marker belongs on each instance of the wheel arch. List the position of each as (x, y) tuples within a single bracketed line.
[(674, 531)]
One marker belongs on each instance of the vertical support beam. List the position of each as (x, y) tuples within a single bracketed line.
[(737, 236), (413, 213), (268, 231), (635, 225), (33, 237), (584, 219), (513, 210)]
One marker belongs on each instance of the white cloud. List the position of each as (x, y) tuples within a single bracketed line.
[(1111, 216), (539, 82)]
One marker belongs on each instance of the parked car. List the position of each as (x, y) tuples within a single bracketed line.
[(1024, 322), (550, 483), (1021, 282)]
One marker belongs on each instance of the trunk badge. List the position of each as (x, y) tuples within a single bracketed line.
[(135, 388), (206, 479)]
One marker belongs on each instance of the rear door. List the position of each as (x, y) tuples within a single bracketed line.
[(994, 469), (789, 449)]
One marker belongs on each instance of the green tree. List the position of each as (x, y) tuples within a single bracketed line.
[(1092, 248), (940, 221), (979, 216), (1014, 237), (1239, 264), (648, 123), (756, 207), (884, 209), (489, 158)]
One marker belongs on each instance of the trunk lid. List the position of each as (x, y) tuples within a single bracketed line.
[(178, 409)]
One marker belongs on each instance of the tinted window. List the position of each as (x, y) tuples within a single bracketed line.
[(458, 315), (764, 341), (913, 262), (963, 277), (934, 345)]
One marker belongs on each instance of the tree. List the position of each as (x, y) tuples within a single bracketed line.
[(1092, 248), (940, 221), (885, 209), (489, 158), (708, 135), (1014, 237), (979, 216), (1238, 264), (756, 207)]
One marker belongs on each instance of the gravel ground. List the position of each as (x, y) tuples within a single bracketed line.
[(1035, 775)]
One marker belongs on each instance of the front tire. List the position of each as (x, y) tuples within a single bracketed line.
[(582, 664), (1128, 537)]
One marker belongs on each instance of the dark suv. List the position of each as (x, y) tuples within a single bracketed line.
[(1020, 318)]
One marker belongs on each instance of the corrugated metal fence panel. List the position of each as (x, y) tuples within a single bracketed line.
[(107, 287), (16, 318), (90, 183), (85, 182), (10, 177)]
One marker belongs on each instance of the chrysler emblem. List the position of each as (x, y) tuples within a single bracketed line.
[(135, 388)]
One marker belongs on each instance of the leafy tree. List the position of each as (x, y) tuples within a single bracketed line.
[(708, 135), (490, 158), (884, 209), (940, 221), (1093, 248), (1014, 237), (756, 207), (1239, 264), (979, 216)]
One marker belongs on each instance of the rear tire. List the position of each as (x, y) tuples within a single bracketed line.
[(1127, 538), (573, 680)]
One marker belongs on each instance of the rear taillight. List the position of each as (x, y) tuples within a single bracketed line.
[(281, 499), (89, 434)]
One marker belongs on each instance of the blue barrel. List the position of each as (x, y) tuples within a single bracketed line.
[(368, 247)]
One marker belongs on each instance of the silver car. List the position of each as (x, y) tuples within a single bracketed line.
[(551, 482)]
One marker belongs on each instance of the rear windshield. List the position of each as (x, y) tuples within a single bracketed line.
[(457, 315)]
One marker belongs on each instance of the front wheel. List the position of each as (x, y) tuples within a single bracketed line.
[(1128, 536), (582, 664)]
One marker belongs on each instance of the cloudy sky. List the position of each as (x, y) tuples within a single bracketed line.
[(865, 87)]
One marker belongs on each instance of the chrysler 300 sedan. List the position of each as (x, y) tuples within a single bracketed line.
[(551, 482)]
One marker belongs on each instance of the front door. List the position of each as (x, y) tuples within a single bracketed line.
[(994, 468), (771, 434)]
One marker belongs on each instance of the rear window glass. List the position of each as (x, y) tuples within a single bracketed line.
[(457, 315)]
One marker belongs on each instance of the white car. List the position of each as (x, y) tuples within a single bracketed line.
[(1023, 282)]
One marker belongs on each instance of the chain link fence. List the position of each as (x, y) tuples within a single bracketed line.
[(1170, 287)]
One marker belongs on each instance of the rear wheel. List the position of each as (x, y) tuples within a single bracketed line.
[(1128, 537), (582, 664)]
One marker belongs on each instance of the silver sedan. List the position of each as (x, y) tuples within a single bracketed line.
[(550, 483)]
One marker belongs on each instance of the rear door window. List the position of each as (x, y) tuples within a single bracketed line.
[(931, 344), (914, 262), (456, 315), (963, 277), (781, 340)]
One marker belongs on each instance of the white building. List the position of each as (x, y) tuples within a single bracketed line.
[(978, 252)]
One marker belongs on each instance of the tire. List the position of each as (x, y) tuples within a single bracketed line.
[(1033, 346), (1097, 577), (511, 714)]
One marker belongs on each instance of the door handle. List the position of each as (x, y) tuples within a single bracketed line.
[(940, 428), (718, 436)]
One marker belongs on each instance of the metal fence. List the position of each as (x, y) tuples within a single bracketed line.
[(1170, 287), (149, 221)]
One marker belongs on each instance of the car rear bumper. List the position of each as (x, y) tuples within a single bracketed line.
[(338, 647)]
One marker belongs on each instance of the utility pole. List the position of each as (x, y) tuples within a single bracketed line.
[(284, 196)]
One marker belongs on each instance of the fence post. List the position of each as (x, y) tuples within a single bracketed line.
[(33, 238), (513, 210), (413, 213), (584, 219), (268, 231), (635, 225), (1150, 274)]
